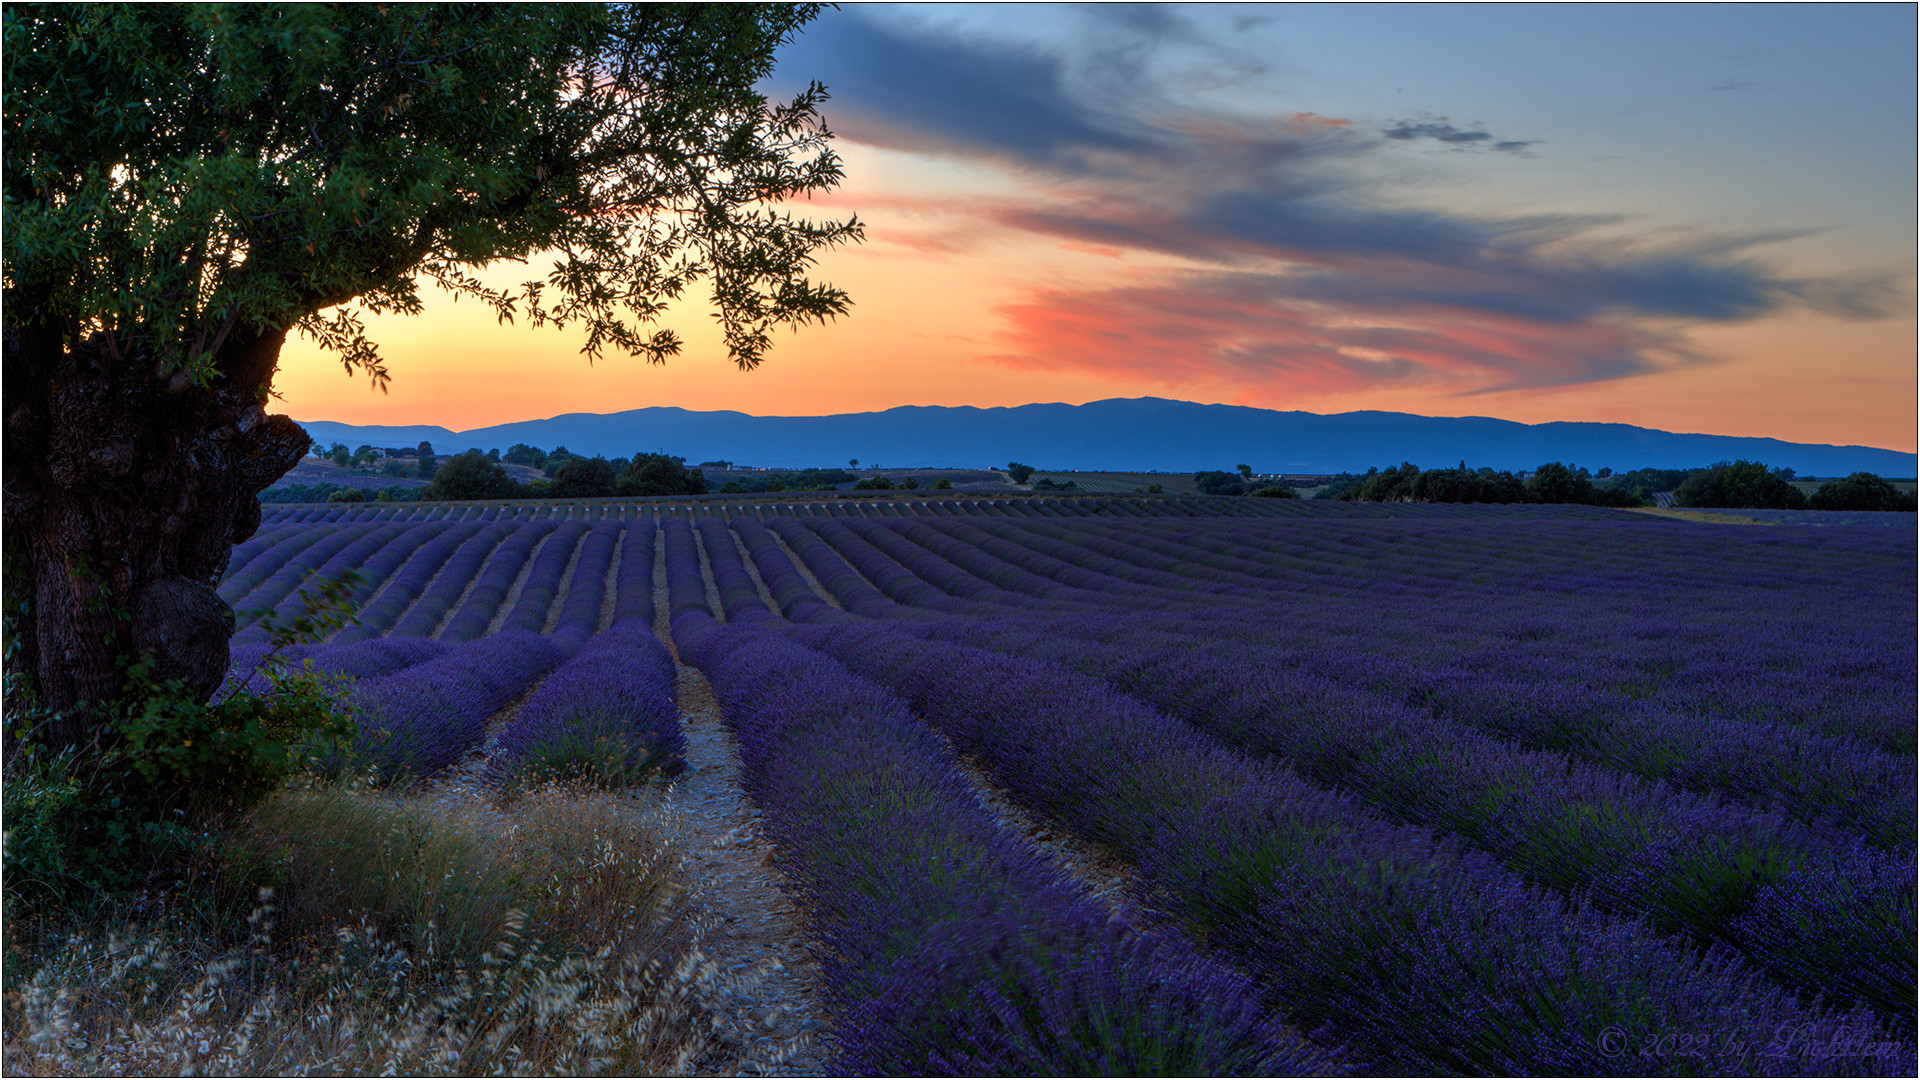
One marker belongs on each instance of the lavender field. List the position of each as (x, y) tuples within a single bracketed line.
[(1398, 788)]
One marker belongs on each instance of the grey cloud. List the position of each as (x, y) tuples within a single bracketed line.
[(1445, 133), (925, 92), (1440, 131)]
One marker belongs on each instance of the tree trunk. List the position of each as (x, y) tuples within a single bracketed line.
[(125, 491)]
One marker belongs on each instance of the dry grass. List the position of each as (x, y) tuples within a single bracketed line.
[(425, 935), (1704, 518)]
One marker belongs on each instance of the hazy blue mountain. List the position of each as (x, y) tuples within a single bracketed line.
[(1126, 434)]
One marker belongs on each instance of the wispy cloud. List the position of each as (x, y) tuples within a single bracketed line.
[(1440, 131)]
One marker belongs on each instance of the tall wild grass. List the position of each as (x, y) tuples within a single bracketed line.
[(426, 934)]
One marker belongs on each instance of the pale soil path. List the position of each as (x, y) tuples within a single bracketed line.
[(559, 601), (512, 595), (754, 928), (806, 573)]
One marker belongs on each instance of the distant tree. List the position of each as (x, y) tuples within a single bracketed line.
[(340, 455), (1745, 485), (1387, 485), (472, 476), (1554, 482), (1047, 483), (1215, 482), (347, 495), (522, 454), (556, 457), (1341, 487), (658, 474), (1246, 471), (395, 467), (583, 478), (1646, 483), (943, 484), (1856, 491), (1020, 473), (853, 463), (1272, 491), (1604, 473)]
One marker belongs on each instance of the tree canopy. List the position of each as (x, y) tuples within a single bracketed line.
[(185, 185), (1859, 491), (150, 195), (1746, 485), (472, 475)]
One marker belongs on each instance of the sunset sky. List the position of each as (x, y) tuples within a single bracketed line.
[(1696, 218)]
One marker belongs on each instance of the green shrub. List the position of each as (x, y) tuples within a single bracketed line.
[(87, 826)]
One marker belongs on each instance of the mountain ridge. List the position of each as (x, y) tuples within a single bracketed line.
[(1125, 434)]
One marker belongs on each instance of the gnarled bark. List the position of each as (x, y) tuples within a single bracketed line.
[(126, 488)]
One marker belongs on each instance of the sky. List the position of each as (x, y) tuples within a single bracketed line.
[(1694, 218)]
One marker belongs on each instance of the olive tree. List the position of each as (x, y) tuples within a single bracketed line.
[(186, 185)]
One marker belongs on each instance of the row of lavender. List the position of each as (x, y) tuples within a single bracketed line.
[(424, 703), (1800, 891), (1260, 865), (1631, 685), (1177, 506)]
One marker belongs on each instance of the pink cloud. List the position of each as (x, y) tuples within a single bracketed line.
[(1248, 331)]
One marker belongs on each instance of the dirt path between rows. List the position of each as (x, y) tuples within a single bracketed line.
[(755, 934)]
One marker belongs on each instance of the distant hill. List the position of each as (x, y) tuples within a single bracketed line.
[(1126, 434)]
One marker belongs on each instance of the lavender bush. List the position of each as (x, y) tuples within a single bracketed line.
[(424, 718), (609, 711)]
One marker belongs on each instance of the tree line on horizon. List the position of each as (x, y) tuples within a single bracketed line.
[(478, 474), (1736, 485)]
